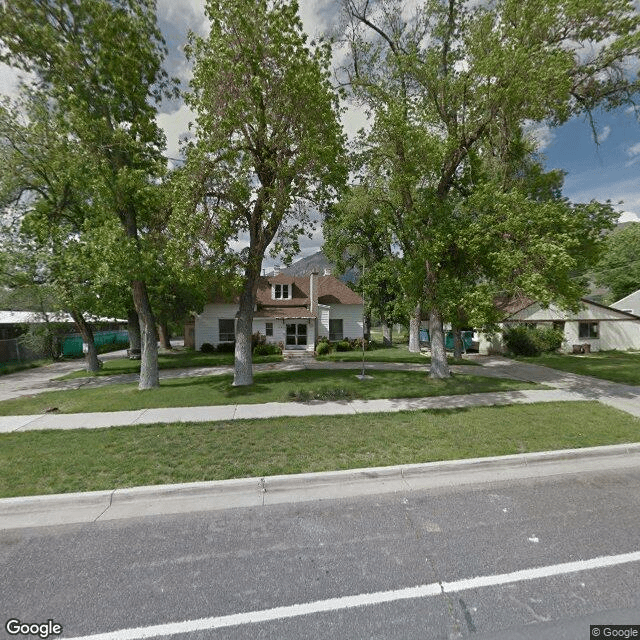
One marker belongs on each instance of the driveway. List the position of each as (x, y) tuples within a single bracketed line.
[(621, 396), (39, 379)]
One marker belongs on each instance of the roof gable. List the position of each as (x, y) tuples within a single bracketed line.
[(330, 291)]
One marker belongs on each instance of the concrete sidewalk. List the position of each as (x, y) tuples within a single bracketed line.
[(137, 502), (565, 387), (10, 424)]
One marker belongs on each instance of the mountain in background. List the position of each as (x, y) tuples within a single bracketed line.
[(318, 262)]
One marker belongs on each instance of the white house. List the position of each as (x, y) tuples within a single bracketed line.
[(630, 303), (602, 328), (293, 311)]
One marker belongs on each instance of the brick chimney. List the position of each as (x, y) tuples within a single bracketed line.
[(313, 292)]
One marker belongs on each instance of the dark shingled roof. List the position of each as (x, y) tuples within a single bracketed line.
[(330, 291)]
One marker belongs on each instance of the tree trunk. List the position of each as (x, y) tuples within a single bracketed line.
[(457, 343), (91, 357), (149, 378), (243, 365), (133, 328), (439, 365), (387, 338), (165, 336), (367, 326), (414, 330)]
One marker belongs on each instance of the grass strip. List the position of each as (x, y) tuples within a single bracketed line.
[(268, 386), (616, 366), (175, 360), (44, 462), (395, 353), (14, 367)]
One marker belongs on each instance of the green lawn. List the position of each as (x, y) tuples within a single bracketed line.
[(14, 367), (395, 353), (86, 460), (173, 360), (269, 386), (617, 366)]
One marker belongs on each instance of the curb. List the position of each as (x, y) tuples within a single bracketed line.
[(136, 502)]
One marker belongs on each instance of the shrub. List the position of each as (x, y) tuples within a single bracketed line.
[(527, 341), (320, 393), (323, 348), (257, 338), (266, 349), (226, 347), (207, 348), (113, 345), (550, 339), (356, 344), (343, 345)]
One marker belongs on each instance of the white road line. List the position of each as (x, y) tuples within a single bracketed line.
[(362, 600)]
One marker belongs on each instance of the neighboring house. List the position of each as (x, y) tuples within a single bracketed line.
[(602, 328), (293, 311), (630, 303), (14, 324)]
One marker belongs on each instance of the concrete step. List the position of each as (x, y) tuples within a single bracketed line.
[(297, 354)]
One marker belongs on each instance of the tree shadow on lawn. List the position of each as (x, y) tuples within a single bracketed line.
[(221, 385)]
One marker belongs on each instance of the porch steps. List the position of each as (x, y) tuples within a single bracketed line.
[(297, 354)]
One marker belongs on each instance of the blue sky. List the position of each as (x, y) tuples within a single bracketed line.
[(609, 170)]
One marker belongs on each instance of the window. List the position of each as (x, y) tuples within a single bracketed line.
[(268, 329), (281, 292), (587, 329), (227, 331), (558, 325), (335, 330)]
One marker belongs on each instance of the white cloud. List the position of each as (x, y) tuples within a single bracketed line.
[(634, 153), (629, 216), (540, 134), (604, 134), (175, 126)]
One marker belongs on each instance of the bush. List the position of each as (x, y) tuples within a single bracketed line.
[(356, 344), (323, 348), (207, 348), (527, 341), (113, 345), (343, 345), (257, 338), (266, 349), (226, 347), (321, 393)]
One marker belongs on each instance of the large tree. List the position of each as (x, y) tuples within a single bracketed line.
[(619, 266), (355, 237), (267, 141), (43, 191), (450, 90), (101, 62)]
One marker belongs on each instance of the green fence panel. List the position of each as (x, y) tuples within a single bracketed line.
[(72, 346)]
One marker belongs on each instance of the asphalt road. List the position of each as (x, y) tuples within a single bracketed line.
[(138, 573)]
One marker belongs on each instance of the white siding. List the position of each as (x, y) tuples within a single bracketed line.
[(206, 323), (260, 326), (351, 316), (323, 320), (615, 331), (535, 313), (630, 302)]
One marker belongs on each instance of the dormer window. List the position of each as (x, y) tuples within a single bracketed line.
[(281, 292)]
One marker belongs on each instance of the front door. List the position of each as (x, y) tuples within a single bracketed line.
[(296, 335)]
